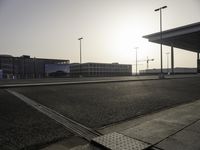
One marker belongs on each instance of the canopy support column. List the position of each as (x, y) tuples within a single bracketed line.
[(172, 59), (198, 63)]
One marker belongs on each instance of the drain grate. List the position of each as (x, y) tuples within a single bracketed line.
[(72, 125)]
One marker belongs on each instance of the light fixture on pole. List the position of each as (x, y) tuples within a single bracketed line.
[(80, 56), (161, 62)]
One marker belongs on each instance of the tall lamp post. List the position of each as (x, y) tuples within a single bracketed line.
[(161, 62), (136, 48), (80, 56)]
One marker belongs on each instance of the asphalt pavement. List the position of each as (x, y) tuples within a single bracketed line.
[(97, 105), (22, 127)]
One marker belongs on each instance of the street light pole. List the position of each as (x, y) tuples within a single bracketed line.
[(161, 61), (136, 48), (80, 56)]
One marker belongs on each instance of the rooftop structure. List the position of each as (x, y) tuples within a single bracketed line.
[(185, 37)]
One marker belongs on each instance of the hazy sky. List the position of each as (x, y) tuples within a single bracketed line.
[(110, 28)]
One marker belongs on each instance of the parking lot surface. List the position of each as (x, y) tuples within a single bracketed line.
[(97, 105)]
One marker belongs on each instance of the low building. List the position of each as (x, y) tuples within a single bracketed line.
[(100, 69), (25, 66), (178, 70)]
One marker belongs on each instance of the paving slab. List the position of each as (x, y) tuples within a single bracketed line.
[(195, 127), (176, 128), (183, 140), (151, 132), (166, 125)]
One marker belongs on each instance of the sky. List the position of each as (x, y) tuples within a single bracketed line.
[(111, 29)]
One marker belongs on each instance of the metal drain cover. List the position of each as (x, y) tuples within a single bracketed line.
[(117, 141)]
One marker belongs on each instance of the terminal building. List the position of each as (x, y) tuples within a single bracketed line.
[(26, 67), (100, 69)]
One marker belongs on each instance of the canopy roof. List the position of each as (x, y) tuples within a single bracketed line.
[(185, 37)]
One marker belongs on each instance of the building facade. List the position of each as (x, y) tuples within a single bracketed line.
[(1, 74), (25, 66), (100, 69), (57, 70)]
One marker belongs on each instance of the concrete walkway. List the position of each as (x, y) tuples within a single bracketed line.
[(176, 128)]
